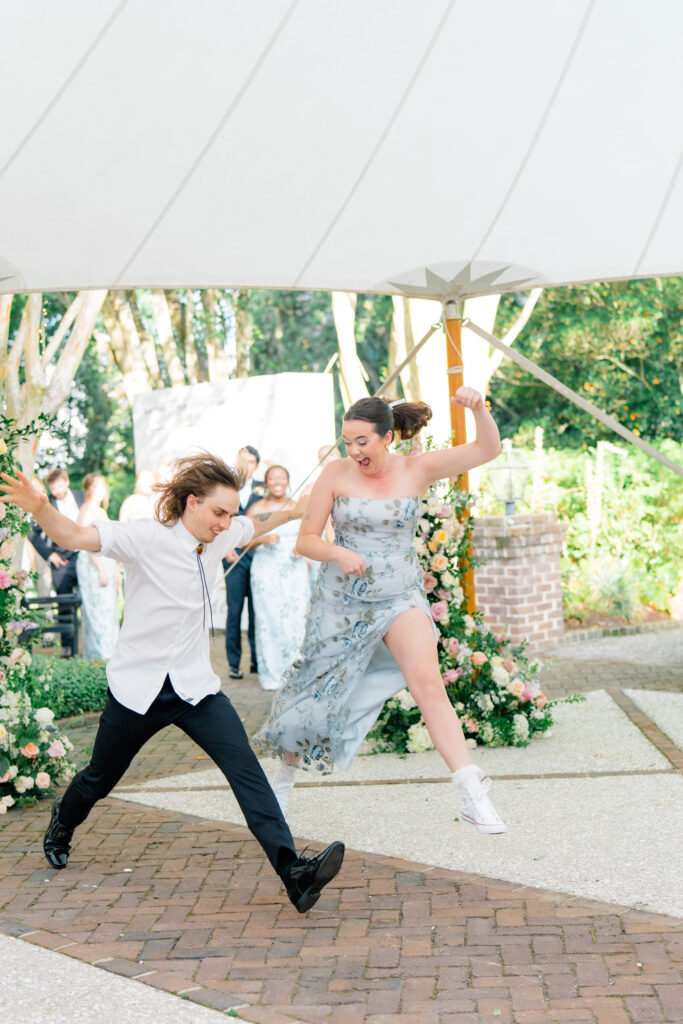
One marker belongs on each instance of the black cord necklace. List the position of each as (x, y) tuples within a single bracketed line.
[(205, 590)]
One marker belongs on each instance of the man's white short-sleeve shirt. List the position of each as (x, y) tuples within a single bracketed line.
[(166, 619)]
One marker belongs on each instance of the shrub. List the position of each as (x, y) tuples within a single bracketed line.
[(70, 686)]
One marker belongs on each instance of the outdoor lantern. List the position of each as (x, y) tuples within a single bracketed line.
[(509, 474)]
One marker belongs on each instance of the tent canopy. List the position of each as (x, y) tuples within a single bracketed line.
[(434, 148)]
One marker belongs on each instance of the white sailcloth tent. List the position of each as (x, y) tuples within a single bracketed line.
[(446, 147)]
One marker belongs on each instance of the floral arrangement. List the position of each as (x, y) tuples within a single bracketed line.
[(490, 681), (33, 752)]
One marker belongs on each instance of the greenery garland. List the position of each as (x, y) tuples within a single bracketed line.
[(33, 751), (490, 681)]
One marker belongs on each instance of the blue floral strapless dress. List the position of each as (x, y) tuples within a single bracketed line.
[(334, 691)]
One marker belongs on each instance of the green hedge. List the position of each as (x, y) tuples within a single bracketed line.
[(68, 686)]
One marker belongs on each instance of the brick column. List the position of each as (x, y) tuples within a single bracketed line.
[(519, 587)]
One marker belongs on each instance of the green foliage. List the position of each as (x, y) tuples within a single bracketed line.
[(70, 686), (33, 753), (620, 344)]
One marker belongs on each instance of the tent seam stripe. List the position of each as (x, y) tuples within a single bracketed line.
[(373, 155), (234, 103), (541, 125), (62, 89), (660, 213)]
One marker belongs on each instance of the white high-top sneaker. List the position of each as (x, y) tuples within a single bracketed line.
[(282, 785), (477, 809)]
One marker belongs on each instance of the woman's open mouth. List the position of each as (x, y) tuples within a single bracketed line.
[(364, 463)]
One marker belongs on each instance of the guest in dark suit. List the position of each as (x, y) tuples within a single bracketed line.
[(238, 580), (62, 562)]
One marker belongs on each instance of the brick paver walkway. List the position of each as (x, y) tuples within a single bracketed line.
[(192, 907)]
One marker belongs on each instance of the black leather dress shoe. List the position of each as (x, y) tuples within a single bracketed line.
[(235, 673), (57, 839), (308, 875), (253, 668)]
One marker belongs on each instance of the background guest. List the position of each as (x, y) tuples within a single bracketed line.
[(33, 560), (97, 579), (238, 580), (140, 504), (62, 562), (280, 586)]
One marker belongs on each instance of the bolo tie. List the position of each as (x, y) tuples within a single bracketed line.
[(206, 596)]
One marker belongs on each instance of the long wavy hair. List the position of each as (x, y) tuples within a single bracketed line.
[(194, 474)]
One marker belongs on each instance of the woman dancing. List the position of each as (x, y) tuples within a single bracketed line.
[(369, 590)]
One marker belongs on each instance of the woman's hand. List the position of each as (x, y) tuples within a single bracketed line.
[(469, 398), (104, 578), (350, 562), (270, 538)]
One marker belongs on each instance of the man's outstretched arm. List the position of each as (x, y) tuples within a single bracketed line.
[(264, 522), (67, 534)]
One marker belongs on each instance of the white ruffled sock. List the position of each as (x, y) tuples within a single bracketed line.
[(282, 784)]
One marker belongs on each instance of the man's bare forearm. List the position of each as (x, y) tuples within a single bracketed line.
[(264, 522), (64, 532)]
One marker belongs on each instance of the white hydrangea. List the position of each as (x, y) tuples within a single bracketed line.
[(500, 675), (406, 700), (470, 624), (520, 728), (23, 782), (419, 739)]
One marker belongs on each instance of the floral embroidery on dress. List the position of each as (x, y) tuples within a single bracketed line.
[(335, 689)]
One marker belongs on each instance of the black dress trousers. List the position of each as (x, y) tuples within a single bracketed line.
[(215, 726)]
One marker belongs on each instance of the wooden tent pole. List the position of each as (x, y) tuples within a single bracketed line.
[(453, 314)]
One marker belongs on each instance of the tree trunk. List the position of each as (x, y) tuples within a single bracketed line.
[(125, 345), (350, 370), (166, 337), (243, 333), (146, 342), (219, 369)]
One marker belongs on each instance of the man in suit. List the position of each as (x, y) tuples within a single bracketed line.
[(62, 562), (238, 580)]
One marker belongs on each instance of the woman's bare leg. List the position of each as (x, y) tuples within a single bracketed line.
[(410, 639)]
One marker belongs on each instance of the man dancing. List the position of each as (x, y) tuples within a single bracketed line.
[(160, 673)]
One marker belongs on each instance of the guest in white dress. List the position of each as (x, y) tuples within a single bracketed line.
[(280, 586), (140, 504), (97, 579)]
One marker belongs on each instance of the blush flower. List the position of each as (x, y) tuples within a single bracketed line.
[(43, 780), (479, 658), (453, 647), (440, 611), (5, 580), (541, 700), (439, 562), (429, 582), (56, 749), (451, 674), (30, 750)]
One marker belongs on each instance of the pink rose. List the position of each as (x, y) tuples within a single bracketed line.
[(440, 611), (471, 725), (5, 580), (14, 656), (43, 780), (451, 674), (21, 577), (6, 550), (479, 658), (453, 647), (508, 664), (527, 693), (541, 700), (429, 582), (56, 749), (445, 511)]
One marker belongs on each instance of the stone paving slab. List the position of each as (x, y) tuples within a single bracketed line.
[(664, 709)]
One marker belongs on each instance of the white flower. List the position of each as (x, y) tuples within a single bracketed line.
[(499, 675), (23, 783), (44, 716), (520, 728), (486, 734), (406, 700), (7, 801), (424, 525), (457, 595), (471, 742), (420, 547), (496, 660), (419, 739), (470, 624)]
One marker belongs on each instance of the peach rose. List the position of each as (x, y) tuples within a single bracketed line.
[(439, 563), (517, 688), (479, 658), (30, 750), (471, 725), (429, 582), (541, 700)]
